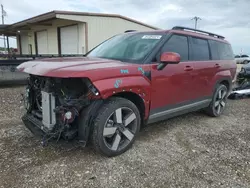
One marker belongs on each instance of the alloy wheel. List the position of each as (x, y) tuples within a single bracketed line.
[(220, 101), (120, 128)]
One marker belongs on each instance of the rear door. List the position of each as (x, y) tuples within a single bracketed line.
[(204, 67)]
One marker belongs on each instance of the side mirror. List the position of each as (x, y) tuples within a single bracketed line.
[(168, 58)]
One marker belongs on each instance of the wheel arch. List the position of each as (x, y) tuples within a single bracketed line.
[(136, 99), (227, 81), (134, 88)]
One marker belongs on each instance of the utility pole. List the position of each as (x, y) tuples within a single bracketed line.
[(196, 18), (3, 14)]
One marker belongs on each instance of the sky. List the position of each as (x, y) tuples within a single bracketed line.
[(230, 18)]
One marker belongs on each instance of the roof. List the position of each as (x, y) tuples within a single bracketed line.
[(3, 26), (184, 32), (52, 15), (4, 29)]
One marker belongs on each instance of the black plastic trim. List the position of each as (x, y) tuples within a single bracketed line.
[(34, 125), (85, 121), (228, 79), (170, 111), (147, 74)]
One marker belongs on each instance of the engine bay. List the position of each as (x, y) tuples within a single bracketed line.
[(54, 104)]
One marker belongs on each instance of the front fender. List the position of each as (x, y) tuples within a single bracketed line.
[(135, 84)]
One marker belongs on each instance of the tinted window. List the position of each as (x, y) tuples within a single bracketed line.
[(225, 51), (177, 44), (244, 56), (221, 51), (214, 50), (200, 50)]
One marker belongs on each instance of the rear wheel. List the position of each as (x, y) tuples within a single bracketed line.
[(116, 126), (219, 101)]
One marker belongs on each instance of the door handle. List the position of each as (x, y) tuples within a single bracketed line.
[(188, 68), (217, 65)]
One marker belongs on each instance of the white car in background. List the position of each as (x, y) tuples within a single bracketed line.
[(242, 59)]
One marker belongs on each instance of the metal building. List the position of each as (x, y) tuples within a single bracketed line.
[(64, 32)]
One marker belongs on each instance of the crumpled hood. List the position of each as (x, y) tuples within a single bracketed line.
[(68, 67)]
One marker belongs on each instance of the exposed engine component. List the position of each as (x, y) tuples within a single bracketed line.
[(55, 103), (48, 106)]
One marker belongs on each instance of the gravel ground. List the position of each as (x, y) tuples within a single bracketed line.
[(193, 150)]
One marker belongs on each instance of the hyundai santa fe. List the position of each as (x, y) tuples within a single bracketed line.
[(129, 80)]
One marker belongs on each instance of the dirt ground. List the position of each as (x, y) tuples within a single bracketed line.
[(193, 150)]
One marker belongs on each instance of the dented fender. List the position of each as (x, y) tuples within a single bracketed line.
[(134, 84)]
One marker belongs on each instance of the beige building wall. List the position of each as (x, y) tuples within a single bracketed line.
[(97, 29), (102, 28), (52, 35)]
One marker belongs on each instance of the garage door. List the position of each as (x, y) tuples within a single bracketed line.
[(25, 44), (69, 39), (42, 42)]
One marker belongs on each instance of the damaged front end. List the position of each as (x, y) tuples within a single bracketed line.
[(55, 107)]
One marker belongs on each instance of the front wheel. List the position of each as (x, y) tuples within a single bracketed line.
[(116, 126), (219, 101)]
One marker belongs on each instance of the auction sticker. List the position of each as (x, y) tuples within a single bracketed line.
[(152, 37)]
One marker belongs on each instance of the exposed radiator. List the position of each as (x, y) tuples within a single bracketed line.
[(48, 106)]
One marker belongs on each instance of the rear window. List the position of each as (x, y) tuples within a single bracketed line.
[(221, 51), (225, 51), (200, 50)]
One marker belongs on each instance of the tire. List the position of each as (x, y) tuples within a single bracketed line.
[(115, 127), (245, 62), (219, 101)]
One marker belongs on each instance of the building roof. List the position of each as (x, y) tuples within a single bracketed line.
[(52, 15), (3, 26)]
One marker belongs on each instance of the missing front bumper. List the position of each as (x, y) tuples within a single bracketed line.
[(34, 125)]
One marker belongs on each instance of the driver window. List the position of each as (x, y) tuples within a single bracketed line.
[(178, 44)]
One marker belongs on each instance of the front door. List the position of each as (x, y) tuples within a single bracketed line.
[(172, 87)]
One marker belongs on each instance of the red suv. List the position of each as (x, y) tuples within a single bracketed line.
[(127, 81)]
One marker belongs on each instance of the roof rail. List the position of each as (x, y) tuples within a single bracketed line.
[(129, 31), (197, 30)]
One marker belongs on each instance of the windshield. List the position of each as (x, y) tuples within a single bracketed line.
[(127, 47)]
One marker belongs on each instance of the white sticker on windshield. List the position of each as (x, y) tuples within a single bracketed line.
[(152, 37)]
